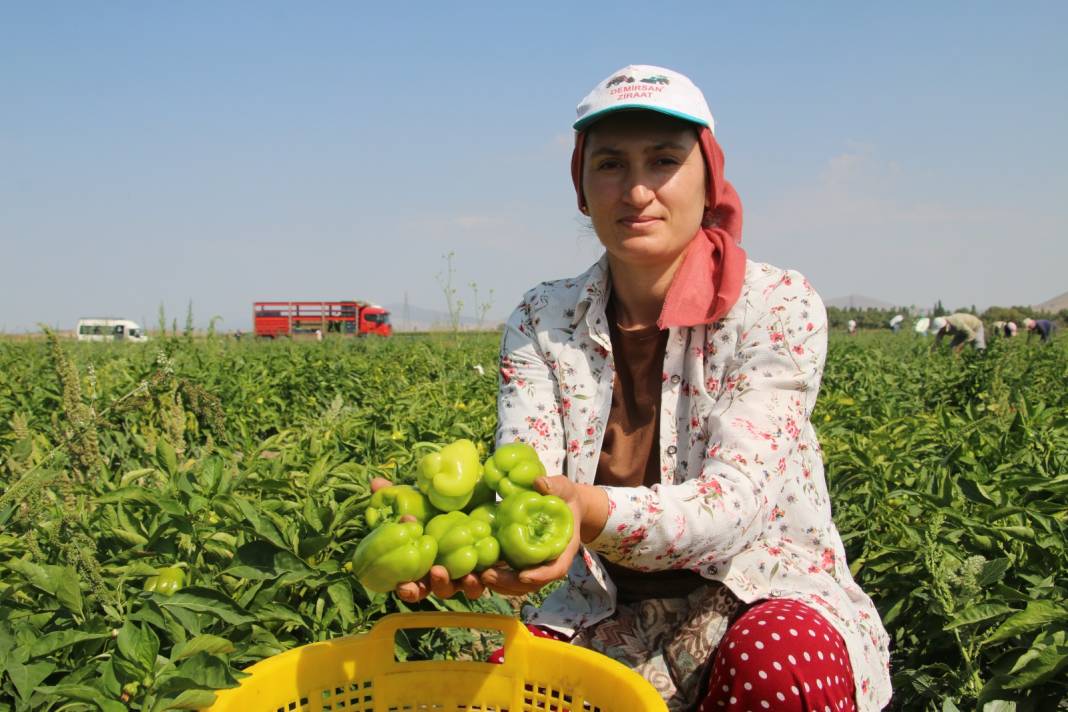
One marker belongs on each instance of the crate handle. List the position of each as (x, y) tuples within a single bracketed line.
[(517, 638)]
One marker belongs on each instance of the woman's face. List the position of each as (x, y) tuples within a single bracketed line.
[(644, 181)]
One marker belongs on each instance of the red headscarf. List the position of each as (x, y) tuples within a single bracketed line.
[(709, 280)]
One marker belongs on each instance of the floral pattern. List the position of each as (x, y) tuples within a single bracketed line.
[(742, 499)]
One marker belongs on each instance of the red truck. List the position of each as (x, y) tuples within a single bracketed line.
[(313, 319)]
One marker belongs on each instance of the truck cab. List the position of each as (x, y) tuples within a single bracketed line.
[(375, 320)]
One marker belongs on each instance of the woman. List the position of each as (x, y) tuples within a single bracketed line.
[(1042, 327), (672, 384)]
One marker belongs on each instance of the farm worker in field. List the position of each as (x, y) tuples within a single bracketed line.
[(921, 326), (895, 322), (851, 326), (1042, 327), (672, 385), (1010, 328), (965, 328)]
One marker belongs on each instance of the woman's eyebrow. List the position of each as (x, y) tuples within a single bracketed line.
[(666, 145), (605, 151), (663, 145)]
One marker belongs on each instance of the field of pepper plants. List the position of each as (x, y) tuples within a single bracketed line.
[(175, 511)]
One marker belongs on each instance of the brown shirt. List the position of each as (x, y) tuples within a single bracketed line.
[(630, 453)]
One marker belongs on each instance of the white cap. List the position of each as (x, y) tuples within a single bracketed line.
[(643, 86), (938, 323)]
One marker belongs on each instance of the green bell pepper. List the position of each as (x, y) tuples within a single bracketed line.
[(389, 504), (448, 477), (166, 581), (533, 528), (465, 544), (487, 513), (513, 468), (483, 494), (394, 553)]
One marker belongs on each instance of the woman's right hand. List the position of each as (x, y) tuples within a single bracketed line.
[(437, 581)]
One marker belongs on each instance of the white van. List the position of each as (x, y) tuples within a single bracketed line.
[(106, 329)]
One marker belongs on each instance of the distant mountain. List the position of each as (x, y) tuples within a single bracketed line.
[(1053, 305), (421, 319), (858, 301)]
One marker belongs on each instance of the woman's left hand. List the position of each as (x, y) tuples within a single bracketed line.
[(579, 499)]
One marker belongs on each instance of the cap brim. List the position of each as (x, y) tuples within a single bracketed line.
[(585, 121)]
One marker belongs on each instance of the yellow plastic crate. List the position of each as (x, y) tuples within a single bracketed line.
[(360, 674)]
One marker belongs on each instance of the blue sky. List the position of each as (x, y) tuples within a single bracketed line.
[(227, 152)]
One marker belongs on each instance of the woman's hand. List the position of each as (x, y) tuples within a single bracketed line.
[(589, 507), (437, 581)]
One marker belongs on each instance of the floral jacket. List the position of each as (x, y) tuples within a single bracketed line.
[(742, 497)]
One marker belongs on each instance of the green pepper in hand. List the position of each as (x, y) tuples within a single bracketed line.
[(389, 504), (483, 494), (448, 477), (166, 581), (513, 468), (486, 512), (465, 544), (533, 528), (396, 552)]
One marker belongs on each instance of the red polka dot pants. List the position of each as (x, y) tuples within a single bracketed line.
[(780, 655)]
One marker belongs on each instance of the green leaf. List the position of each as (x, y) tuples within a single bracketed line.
[(340, 593), (311, 515), (183, 619), (999, 706), (172, 507), (8, 645), (279, 613), (974, 491), (202, 644), (187, 700), (138, 568), (262, 526), (1036, 615), (205, 600), (260, 560), (57, 640), (149, 614), (108, 679), (992, 572), (138, 644), (128, 494), (34, 573), (977, 613), (1047, 657), (128, 537), (166, 457), (67, 591), (200, 671), (458, 604), (74, 691), (894, 610), (1016, 532), (137, 474), (59, 581), (27, 678), (310, 546)]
